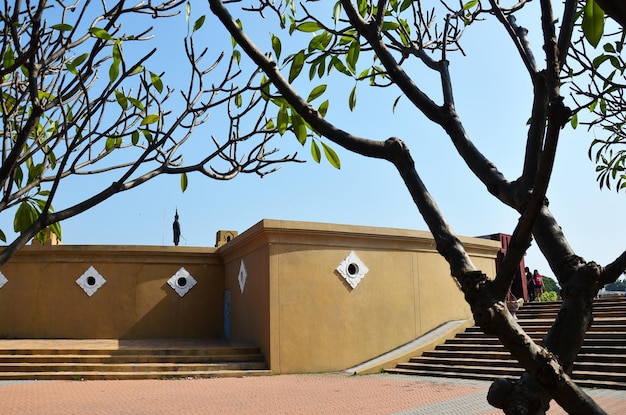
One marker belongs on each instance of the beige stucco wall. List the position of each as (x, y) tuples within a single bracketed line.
[(317, 322), (42, 300), (295, 306)]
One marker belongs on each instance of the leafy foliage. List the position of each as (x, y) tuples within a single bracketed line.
[(619, 285), (549, 284), (598, 82), (549, 296)]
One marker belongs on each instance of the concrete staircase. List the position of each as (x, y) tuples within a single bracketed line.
[(130, 359), (474, 355)]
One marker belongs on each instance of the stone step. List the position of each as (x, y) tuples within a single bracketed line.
[(591, 369), (474, 355), (130, 358), (130, 367), (156, 350), (127, 359), (505, 355), (591, 342), (77, 375), (528, 328), (498, 347), (587, 383)]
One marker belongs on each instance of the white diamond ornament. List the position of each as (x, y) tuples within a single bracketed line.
[(243, 276), (352, 269), (3, 280), (90, 281), (182, 281)]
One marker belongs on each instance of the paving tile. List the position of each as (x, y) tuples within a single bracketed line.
[(284, 394)]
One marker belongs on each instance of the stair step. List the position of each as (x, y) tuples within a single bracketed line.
[(127, 359), (129, 367), (145, 358), (218, 351), (474, 355), (77, 375)]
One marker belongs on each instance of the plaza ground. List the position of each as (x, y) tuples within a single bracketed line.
[(284, 394)]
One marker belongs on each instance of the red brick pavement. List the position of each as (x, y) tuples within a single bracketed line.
[(286, 394)]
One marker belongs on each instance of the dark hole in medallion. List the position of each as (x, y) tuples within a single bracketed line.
[(181, 282), (91, 281), (353, 269)]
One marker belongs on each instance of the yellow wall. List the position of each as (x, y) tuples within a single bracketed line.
[(317, 322), (42, 300), (295, 306)]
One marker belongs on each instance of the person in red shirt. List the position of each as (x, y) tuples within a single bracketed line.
[(538, 279)]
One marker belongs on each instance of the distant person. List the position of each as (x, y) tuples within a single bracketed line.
[(530, 284), (538, 280)]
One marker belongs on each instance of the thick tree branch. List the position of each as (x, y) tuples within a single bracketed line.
[(448, 245), (614, 270)]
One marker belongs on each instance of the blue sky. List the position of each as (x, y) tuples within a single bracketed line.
[(492, 96)]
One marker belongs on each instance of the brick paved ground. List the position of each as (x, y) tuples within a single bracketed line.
[(286, 394)]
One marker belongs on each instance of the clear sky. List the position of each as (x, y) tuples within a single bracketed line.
[(493, 98)]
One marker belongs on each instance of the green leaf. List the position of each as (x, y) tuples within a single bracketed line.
[(25, 216), (323, 109), (265, 88), (199, 23), (8, 59), (62, 27), (276, 46), (18, 176), (352, 99), (183, 182), (321, 67), (331, 156), (100, 33), (150, 119), (238, 100), (299, 127), (35, 172), (3, 237), (390, 26), (121, 99), (316, 152), (237, 56), (574, 121), (317, 91), (147, 134), (470, 4), (353, 55), (134, 137), (363, 7), (395, 103), (71, 68), (593, 22), (296, 66), (80, 59), (337, 12), (282, 119), (598, 60), (309, 27), (156, 81), (136, 103), (114, 71), (320, 42), (110, 144)]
